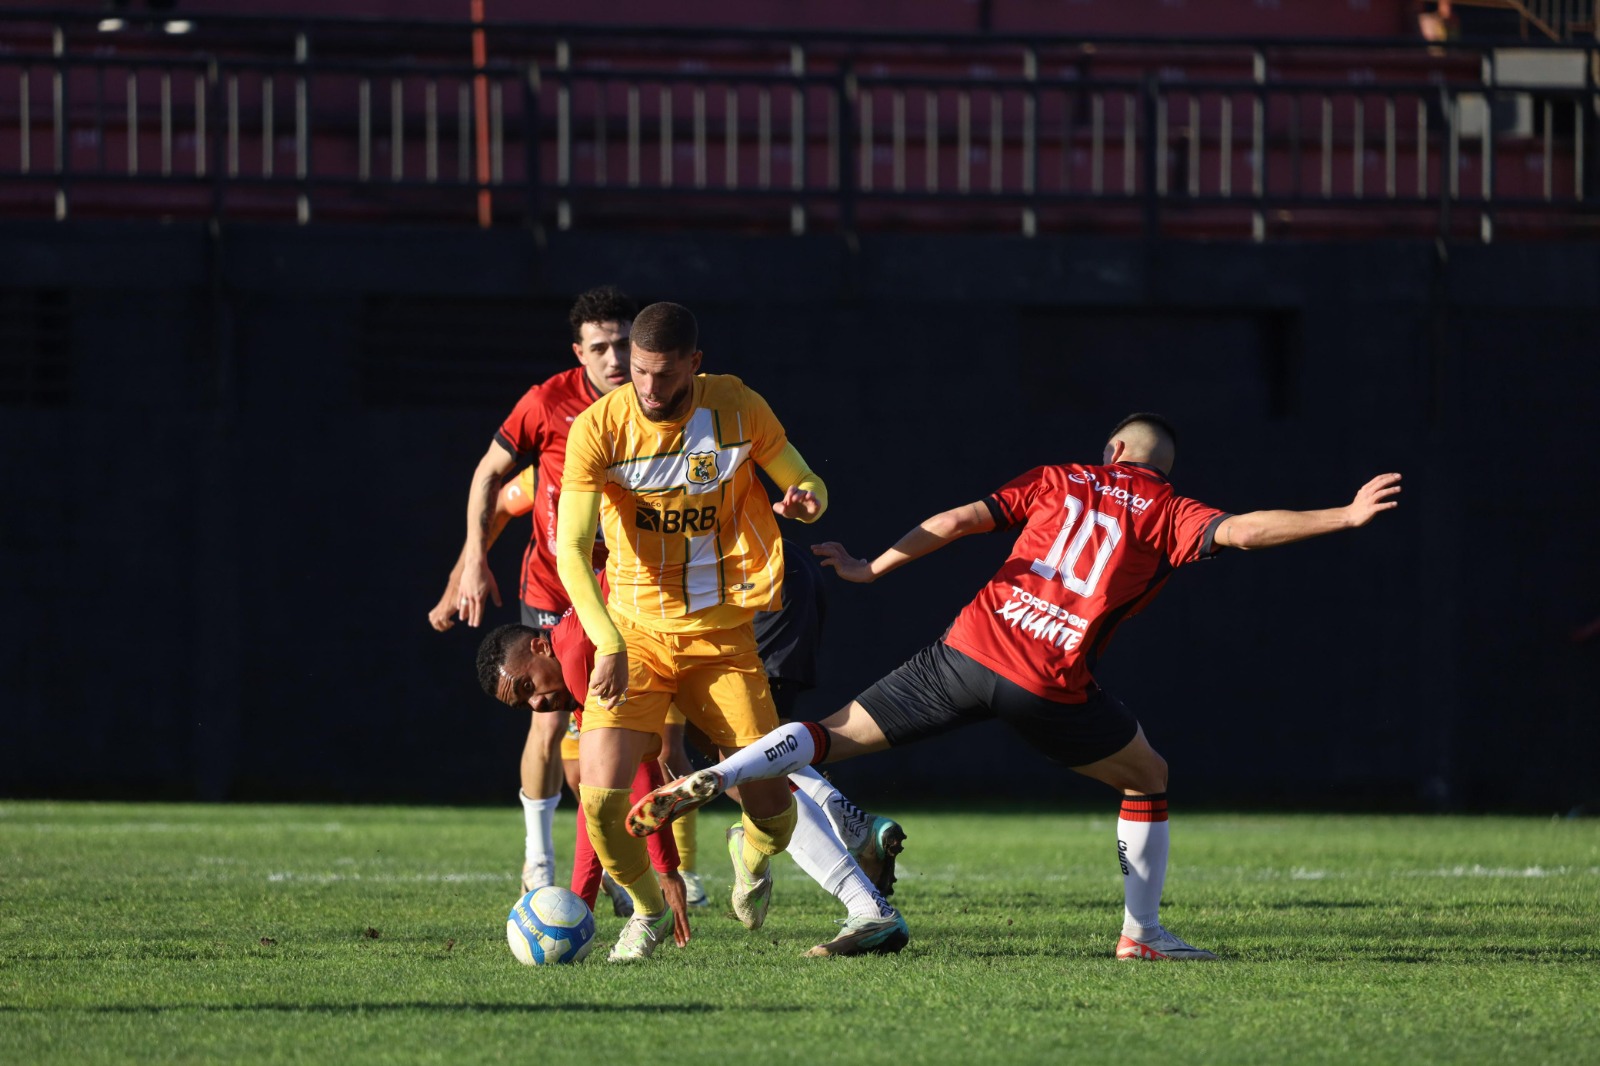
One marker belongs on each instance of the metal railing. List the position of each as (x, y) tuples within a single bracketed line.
[(839, 132)]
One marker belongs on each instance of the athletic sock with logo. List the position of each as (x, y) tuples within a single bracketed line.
[(778, 754), (851, 823), (538, 818), (1142, 851), (823, 858)]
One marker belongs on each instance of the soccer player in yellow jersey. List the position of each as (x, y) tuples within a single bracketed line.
[(665, 466)]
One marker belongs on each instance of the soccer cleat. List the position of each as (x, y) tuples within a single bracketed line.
[(1163, 947), (641, 935), (884, 841), (538, 875), (865, 936), (672, 799), (752, 893), (621, 902), (694, 889)]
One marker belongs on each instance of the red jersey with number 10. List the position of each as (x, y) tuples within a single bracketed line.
[(1097, 544)]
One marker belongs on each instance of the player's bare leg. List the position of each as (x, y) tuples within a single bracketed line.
[(1140, 774), (541, 794)]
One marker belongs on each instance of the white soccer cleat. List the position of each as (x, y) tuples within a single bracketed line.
[(641, 935), (865, 936), (694, 889), (669, 801), (752, 893), (538, 875), (1163, 947)]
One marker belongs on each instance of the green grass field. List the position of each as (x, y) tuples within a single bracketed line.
[(134, 933)]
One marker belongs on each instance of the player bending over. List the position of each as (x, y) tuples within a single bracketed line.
[(519, 666), (1096, 543)]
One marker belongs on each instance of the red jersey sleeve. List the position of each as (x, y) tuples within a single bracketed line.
[(1192, 530), (521, 433), (1009, 504), (575, 652)]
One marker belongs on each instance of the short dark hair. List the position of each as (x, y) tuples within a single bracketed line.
[(667, 329), (1149, 418), (492, 652), (604, 304)]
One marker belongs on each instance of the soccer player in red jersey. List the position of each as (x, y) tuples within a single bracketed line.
[(1095, 546), (536, 431), (521, 666)]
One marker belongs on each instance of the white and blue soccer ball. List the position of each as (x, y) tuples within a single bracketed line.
[(550, 925)]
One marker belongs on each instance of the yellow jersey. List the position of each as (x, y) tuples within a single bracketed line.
[(693, 540)]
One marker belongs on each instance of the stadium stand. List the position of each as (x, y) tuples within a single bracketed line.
[(1033, 126)]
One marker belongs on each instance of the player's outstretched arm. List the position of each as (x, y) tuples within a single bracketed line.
[(1269, 529), (805, 497), (477, 580), (516, 498), (933, 534)]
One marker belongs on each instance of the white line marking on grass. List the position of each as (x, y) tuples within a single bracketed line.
[(181, 827), (1501, 871), (330, 878)]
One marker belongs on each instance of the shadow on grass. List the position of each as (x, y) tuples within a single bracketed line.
[(438, 1008)]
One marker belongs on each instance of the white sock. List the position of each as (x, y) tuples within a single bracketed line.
[(778, 754), (850, 823), (823, 857), (539, 816), (1142, 850)]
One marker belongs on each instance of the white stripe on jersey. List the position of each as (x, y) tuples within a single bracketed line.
[(661, 473), (700, 578)]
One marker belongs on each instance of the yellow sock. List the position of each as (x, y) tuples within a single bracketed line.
[(622, 854), (683, 832), (765, 837)]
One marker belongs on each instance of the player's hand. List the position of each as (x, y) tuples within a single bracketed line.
[(477, 589), (608, 682), (443, 615), (844, 564), (1375, 496), (799, 504), (677, 895)]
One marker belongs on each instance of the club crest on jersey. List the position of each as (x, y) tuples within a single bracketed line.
[(702, 468)]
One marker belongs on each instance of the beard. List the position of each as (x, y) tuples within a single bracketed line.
[(671, 409)]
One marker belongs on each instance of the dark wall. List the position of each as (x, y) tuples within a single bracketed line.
[(235, 470)]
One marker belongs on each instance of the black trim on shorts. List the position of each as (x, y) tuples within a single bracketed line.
[(940, 690), (538, 618)]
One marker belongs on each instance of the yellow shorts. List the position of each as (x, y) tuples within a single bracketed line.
[(715, 678), (569, 741)]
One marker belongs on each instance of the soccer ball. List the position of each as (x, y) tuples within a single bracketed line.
[(550, 925)]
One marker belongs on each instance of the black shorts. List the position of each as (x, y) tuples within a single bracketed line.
[(940, 689), (540, 619)]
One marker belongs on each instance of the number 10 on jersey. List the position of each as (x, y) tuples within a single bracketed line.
[(1062, 559)]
